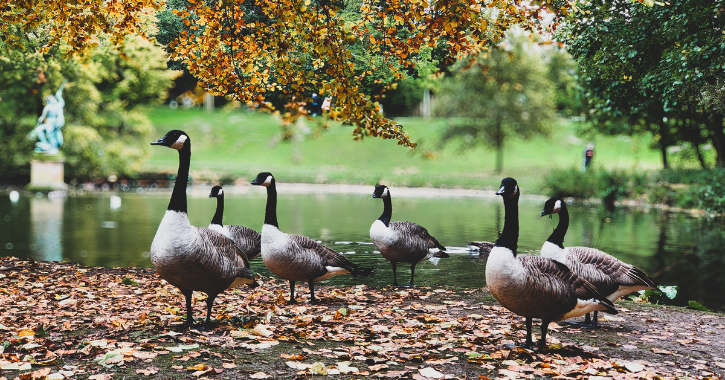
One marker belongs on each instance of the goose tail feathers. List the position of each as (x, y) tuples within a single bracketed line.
[(606, 303), (438, 245), (642, 277)]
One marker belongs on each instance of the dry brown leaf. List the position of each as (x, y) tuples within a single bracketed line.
[(259, 375), (148, 371)]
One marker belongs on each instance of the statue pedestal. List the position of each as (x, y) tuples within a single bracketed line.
[(46, 172)]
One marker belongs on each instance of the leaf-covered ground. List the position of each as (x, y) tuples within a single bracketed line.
[(64, 320)]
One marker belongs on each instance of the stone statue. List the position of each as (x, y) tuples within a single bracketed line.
[(49, 123)]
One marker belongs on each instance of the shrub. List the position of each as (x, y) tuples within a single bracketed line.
[(702, 189), (571, 183), (595, 183)]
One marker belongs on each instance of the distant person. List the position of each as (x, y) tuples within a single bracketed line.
[(326, 104), (315, 105), (588, 155)]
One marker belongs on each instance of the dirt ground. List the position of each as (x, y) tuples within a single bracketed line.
[(64, 320)]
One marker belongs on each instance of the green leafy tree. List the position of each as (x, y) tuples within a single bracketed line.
[(653, 69), (499, 94), (106, 98)]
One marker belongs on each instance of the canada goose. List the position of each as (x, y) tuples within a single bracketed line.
[(295, 257), (193, 258), (404, 242), (611, 276), (247, 239), (534, 286), (483, 247)]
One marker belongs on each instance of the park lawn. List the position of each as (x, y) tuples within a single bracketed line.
[(239, 144)]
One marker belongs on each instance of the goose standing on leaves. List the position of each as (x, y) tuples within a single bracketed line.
[(193, 258), (404, 242), (247, 239), (611, 276), (294, 257), (534, 286)]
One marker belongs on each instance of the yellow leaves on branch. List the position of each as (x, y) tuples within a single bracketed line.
[(79, 23), (293, 47)]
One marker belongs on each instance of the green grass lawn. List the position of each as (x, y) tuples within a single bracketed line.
[(240, 144)]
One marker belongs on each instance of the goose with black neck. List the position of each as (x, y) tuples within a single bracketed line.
[(247, 239), (612, 277), (405, 242), (295, 257), (193, 258), (534, 286)]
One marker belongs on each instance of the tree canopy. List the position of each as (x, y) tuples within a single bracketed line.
[(251, 49), (655, 69), (499, 94)]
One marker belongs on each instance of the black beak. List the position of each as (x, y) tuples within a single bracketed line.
[(501, 191), (161, 141)]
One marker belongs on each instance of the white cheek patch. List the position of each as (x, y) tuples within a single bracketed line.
[(268, 181), (557, 207), (179, 142), (516, 190), (385, 192), (220, 192)]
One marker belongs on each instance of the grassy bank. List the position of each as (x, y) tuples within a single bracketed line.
[(240, 144)]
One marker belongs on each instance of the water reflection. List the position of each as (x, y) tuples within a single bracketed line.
[(46, 215), (676, 249)]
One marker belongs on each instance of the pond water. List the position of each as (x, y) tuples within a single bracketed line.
[(116, 229)]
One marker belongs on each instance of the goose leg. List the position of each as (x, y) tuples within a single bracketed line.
[(594, 323), (395, 268), (311, 283), (589, 322), (529, 342), (412, 274), (209, 305), (292, 300), (189, 312), (544, 330)]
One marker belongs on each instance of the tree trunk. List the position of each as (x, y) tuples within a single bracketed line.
[(718, 139), (699, 155), (664, 142)]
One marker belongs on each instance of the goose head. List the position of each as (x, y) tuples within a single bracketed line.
[(216, 191), (175, 139), (263, 179), (551, 207), (509, 188), (381, 191)]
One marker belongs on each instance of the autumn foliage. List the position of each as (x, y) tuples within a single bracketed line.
[(249, 49)]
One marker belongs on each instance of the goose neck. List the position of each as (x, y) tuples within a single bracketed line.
[(270, 215), (510, 234), (387, 211), (178, 195), (219, 214), (557, 237)]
